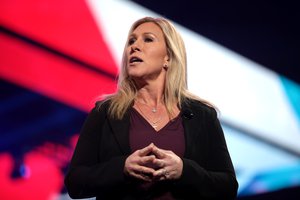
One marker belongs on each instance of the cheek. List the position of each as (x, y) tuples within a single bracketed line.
[(158, 55), (127, 53)]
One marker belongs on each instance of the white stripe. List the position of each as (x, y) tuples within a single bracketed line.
[(247, 94)]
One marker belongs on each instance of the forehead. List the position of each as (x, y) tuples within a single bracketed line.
[(148, 27)]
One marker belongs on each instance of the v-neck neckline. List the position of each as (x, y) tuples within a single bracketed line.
[(149, 124)]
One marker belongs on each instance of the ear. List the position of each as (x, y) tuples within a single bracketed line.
[(166, 61), (165, 67)]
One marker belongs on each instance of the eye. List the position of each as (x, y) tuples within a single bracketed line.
[(148, 39), (131, 41)]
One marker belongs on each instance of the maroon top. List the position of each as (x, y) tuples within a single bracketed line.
[(170, 137)]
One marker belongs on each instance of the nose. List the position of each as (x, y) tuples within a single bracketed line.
[(137, 45), (134, 48)]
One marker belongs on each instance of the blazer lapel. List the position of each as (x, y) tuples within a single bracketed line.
[(120, 129), (188, 125)]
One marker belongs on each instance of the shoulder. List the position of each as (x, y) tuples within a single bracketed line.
[(99, 110), (102, 105), (199, 108)]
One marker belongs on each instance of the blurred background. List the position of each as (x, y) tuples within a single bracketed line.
[(58, 57)]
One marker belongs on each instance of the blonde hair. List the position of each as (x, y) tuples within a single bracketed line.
[(176, 73)]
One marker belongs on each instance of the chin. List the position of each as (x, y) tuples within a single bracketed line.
[(134, 73)]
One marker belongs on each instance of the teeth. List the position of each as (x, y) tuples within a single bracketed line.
[(134, 59)]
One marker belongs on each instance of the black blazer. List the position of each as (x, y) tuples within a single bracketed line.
[(96, 168)]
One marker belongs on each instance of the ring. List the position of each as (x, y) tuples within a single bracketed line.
[(165, 172)]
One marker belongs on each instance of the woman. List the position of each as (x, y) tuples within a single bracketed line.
[(152, 139)]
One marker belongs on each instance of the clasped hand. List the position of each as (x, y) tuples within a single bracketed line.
[(153, 164)]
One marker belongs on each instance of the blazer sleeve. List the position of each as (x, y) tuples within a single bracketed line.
[(212, 176), (87, 176)]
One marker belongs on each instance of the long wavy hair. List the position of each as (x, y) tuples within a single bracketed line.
[(175, 89)]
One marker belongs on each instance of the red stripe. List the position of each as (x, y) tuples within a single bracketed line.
[(50, 75), (67, 26)]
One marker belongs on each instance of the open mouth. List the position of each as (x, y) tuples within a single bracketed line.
[(135, 60)]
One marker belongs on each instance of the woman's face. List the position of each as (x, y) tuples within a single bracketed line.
[(146, 52)]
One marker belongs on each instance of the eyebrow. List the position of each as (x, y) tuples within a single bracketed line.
[(146, 33)]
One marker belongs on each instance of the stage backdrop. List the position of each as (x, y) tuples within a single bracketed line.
[(58, 57)]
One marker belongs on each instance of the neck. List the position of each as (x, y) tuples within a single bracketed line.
[(151, 91), (151, 99)]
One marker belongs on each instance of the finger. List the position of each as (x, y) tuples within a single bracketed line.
[(159, 153), (144, 173), (145, 151), (159, 163), (147, 159), (143, 170), (161, 174)]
